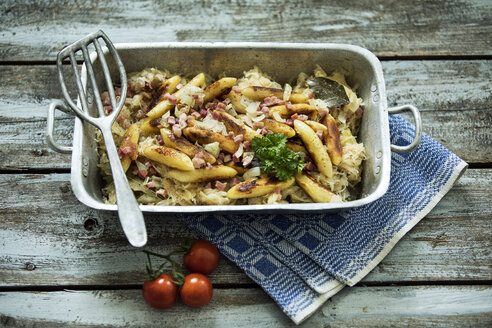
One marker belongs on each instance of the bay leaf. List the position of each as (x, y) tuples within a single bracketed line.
[(332, 92)]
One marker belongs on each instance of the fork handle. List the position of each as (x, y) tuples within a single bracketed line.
[(131, 218)]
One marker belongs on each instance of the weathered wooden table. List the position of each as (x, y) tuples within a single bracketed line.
[(63, 264)]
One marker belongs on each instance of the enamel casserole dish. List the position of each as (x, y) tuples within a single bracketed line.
[(283, 62)]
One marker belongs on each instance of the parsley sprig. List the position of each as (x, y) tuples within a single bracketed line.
[(275, 156)]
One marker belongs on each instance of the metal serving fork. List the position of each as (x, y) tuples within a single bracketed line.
[(131, 217)]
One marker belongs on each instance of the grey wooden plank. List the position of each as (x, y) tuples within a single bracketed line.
[(454, 97), (45, 226), (441, 306), (401, 28)]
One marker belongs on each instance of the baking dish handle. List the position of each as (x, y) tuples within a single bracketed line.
[(60, 105), (418, 128)]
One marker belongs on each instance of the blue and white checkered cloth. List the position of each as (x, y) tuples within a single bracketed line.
[(303, 260)]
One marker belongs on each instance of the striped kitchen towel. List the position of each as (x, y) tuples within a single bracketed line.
[(301, 260)]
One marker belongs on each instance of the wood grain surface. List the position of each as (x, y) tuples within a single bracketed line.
[(34, 32), (65, 265), (437, 306), (73, 245)]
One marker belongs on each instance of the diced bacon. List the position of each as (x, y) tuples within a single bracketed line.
[(265, 110), (124, 151), (273, 100), (288, 105), (226, 101), (234, 181), (200, 154), (220, 185), (277, 190), (142, 173), (319, 133), (247, 160), (302, 117), (235, 159), (171, 120), (221, 106), (203, 112), (183, 116), (199, 102), (211, 105), (358, 112), (247, 145), (196, 115), (238, 138), (160, 141), (289, 121), (347, 117), (309, 166), (195, 96), (198, 162), (162, 192), (236, 90), (150, 185), (105, 98), (120, 118), (126, 124), (117, 92), (108, 109), (172, 98), (177, 130), (215, 115), (227, 158), (208, 185), (230, 134), (264, 130)]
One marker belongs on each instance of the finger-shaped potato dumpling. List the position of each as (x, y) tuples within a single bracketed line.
[(216, 172), (332, 140), (315, 147), (128, 146), (235, 99), (278, 127), (315, 190), (257, 187), (165, 105), (170, 140), (168, 156), (287, 112), (147, 127), (218, 88), (204, 136), (258, 93)]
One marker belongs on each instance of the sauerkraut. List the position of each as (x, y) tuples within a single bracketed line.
[(151, 90)]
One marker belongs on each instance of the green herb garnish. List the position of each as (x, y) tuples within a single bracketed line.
[(275, 156)]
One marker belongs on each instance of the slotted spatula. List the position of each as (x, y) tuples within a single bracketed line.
[(131, 217)]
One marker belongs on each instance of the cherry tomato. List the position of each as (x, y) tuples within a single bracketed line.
[(202, 257), (196, 290), (160, 293)]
